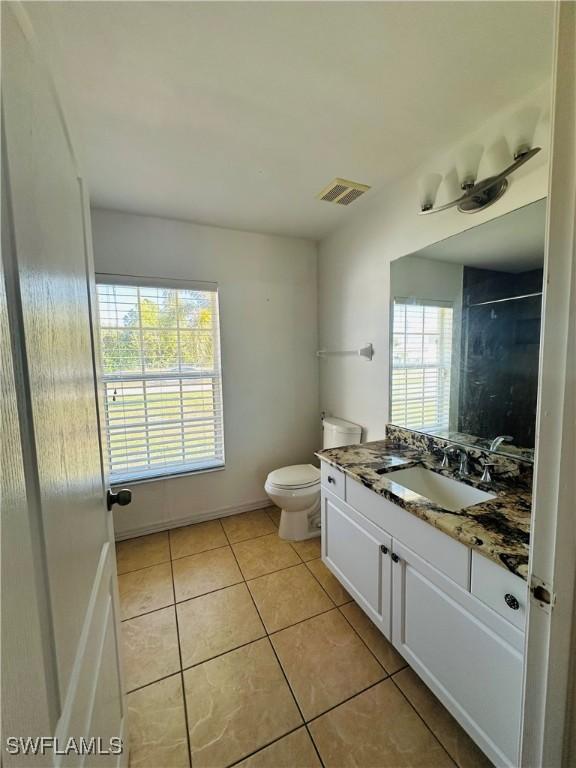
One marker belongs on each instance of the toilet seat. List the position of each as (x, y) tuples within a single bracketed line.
[(294, 477)]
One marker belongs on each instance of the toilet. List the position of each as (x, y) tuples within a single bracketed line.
[(296, 489)]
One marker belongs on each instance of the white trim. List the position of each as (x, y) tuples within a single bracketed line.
[(162, 473), (166, 525), (549, 672), (109, 278), (170, 476)]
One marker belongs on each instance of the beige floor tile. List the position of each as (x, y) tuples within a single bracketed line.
[(293, 751), (216, 623), (236, 704), (197, 538), (150, 645), (145, 590), (198, 574), (141, 552), (384, 651), (309, 549), (325, 662), (329, 582), (157, 726), (248, 525), (274, 515), (288, 596), (264, 555), (377, 729), (455, 740)]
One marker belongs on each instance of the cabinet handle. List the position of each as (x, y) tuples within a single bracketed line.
[(511, 601), (331, 479), (395, 557), (383, 549)]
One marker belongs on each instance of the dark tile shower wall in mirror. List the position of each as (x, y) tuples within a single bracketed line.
[(499, 353), (465, 318)]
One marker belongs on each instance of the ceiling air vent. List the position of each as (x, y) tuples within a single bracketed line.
[(342, 191)]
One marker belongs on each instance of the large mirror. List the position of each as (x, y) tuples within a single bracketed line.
[(465, 320)]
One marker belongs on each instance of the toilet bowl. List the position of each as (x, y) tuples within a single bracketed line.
[(296, 489)]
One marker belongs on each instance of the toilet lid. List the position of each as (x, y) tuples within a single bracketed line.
[(296, 476)]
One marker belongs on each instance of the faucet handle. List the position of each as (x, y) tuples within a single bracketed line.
[(446, 451), (486, 474)]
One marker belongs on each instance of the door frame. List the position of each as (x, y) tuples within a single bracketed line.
[(549, 732)]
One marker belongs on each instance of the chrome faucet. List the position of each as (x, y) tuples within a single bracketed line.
[(500, 439), (464, 468)]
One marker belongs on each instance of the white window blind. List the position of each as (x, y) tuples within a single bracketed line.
[(421, 363), (160, 345)]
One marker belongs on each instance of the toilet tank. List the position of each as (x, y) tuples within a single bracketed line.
[(338, 432)]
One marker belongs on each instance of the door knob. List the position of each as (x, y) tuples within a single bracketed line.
[(121, 497)]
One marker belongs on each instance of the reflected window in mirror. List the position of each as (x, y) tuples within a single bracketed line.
[(421, 363)]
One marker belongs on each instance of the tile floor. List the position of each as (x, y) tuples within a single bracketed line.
[(243, 649)]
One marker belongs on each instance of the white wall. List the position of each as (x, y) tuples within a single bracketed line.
[(421, 278), (268, 296), (354, 262)]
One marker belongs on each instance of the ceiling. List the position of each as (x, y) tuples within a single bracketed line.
[(514, 242), (238, 113)]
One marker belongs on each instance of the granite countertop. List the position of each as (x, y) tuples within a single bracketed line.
[(499, 529)]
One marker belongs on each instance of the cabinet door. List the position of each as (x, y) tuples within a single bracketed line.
[(358, 554), (468, 655)]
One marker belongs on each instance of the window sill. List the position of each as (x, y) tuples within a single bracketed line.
[(171, 476)]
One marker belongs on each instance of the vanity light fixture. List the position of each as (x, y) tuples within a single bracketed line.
[(481, 194)]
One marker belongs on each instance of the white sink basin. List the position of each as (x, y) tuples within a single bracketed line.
[(443, 491)]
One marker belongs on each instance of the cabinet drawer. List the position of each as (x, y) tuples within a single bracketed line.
[(440, 550), (500, 589), (333, 480)]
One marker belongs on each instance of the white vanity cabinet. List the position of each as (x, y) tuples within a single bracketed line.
[(359, 554), (414, 582)]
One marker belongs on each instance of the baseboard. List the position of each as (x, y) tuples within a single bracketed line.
[(166, 525)]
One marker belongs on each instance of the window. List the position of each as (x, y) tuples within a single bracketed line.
[(160, 347), (421, 362)]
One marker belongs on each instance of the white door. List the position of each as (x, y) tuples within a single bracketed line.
[(358, 553), (47, 260), (468, 655)]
